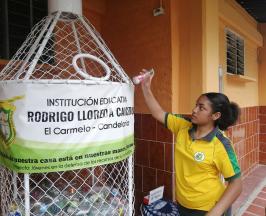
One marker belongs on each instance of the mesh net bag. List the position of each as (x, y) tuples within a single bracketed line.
[(65, 48), (49, 49)]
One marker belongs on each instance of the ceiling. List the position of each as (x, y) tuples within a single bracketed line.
[(256, 8)]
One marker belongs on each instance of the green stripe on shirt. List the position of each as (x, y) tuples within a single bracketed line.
[(230, 152)]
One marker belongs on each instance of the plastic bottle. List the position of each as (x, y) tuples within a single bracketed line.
[(138, 79), (14, 210)]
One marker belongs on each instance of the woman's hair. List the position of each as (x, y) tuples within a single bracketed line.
[(229, 110)]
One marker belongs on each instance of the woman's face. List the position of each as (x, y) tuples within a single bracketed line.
[(202, 113)]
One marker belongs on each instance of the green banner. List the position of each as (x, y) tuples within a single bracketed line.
[(61, 160)]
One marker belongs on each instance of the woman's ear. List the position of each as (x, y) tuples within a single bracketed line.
[(216, 116)]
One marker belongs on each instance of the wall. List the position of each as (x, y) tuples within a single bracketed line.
[(245, 138), (249, 94), (187, 75), (262, 95), (262, 67), (232, 16), (140, 40), (94, 11), (262, 140), (3, 63), (175, 52), (199, 48), (210, 49), (153, 158), (186, 64)]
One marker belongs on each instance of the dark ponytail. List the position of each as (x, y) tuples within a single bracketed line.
[(229, 110)]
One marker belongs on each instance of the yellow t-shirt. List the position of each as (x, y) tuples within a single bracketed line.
[(199, 163)]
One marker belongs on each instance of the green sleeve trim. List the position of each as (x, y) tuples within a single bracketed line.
[(230, 151), (233, 177), (165, 119)]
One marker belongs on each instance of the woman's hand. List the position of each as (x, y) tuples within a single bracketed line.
[(153, 105), (146, 82)]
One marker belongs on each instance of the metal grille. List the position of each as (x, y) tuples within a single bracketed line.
[(47, 55), (235, 53)]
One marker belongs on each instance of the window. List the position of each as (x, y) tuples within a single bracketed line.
[(234, 53), (17, 19)]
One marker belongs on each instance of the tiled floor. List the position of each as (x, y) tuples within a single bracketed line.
[(252, 201)]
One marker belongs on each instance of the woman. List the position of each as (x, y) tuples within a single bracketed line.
[(202, 153)]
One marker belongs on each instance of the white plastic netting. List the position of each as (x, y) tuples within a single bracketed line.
[(101, 190), (48, 51), (47, 56)]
